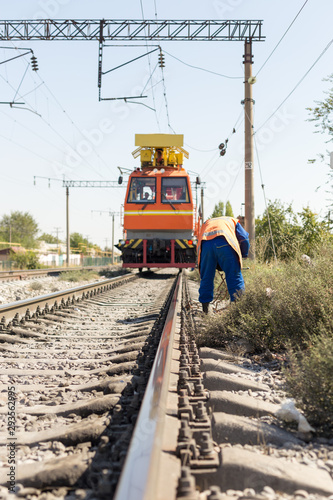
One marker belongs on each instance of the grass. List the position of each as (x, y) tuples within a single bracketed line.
[(35, 285), (287, 308), (285, 304), (112, 273), (79, 275), (310, 382), (86, 275)]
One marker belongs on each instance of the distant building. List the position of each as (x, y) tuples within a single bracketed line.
[(54, 255), (6, 253)]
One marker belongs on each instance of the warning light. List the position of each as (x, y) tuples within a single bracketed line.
[(190, 242), (127, 242)]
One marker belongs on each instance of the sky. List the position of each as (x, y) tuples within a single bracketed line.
[(62, 129)]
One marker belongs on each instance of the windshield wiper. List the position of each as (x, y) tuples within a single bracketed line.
[(173, 206)]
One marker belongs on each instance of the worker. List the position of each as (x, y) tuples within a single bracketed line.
[(222, 244)]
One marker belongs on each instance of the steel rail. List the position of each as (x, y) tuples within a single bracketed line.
[(20, 274), (139, 477), (18, 309)]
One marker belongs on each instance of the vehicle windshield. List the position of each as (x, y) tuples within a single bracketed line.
[(142, 190), (175, 189)]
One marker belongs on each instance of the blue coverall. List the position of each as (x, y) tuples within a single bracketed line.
[(218, 252)]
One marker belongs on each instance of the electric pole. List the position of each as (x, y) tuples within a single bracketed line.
[(248, 119), (111, 214), (57, 231)]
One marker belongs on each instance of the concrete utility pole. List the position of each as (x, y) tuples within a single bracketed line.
[(202, 205), (111, 214), (67, 228), (112, 238), (248, 118)]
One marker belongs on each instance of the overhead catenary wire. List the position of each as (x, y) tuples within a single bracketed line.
[(73, 124), (233, 131), (32, 131), (165, 96), (43, 83), (53, 129), (264, 194), (18, 88), (284, 34), (296, 86), (150, 71), (202, 69), (266, 205), (150, 77)]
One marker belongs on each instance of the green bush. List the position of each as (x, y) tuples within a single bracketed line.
[(285, 304), (26, 260), (310, 382), (292, 232)]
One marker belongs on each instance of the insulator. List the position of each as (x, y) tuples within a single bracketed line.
[(34, 63), (222, 152), (221, 146), (161, 61)]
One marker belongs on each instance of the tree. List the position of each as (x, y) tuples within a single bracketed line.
[(220, 211), (228, 209), (19, 227), (292, 232), (26, 260), (313, 231), (48, 238), (322, 114)]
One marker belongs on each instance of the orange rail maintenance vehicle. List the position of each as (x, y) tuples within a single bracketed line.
[(160, 222)]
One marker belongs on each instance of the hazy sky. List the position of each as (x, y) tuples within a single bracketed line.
[(64, 130)]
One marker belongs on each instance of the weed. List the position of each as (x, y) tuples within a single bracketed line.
[(79, 275), (287, 307), (35, 285), (112, 273), (284, 304), (309, 380)]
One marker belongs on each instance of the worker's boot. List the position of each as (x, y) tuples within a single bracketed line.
[(205, 307)]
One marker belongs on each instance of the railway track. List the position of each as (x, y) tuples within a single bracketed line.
[(23, 274), (112, 399)]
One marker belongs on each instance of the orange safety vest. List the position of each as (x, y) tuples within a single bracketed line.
[(220, 226)]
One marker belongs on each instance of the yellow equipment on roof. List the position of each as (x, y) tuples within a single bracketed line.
[(159, 140), (157, 150)]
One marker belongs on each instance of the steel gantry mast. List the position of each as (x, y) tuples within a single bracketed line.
[(118, 30)]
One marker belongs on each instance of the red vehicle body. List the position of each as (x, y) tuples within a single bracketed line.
[(159, 214)]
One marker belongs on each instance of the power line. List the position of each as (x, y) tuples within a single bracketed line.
[(150, 71), (297, 85), (234, 129), (284, 34), (267, 211), (72, 121), (161, 63), (31, 130), (67, 116), (150, 77), (203, 69), (52, 128)]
